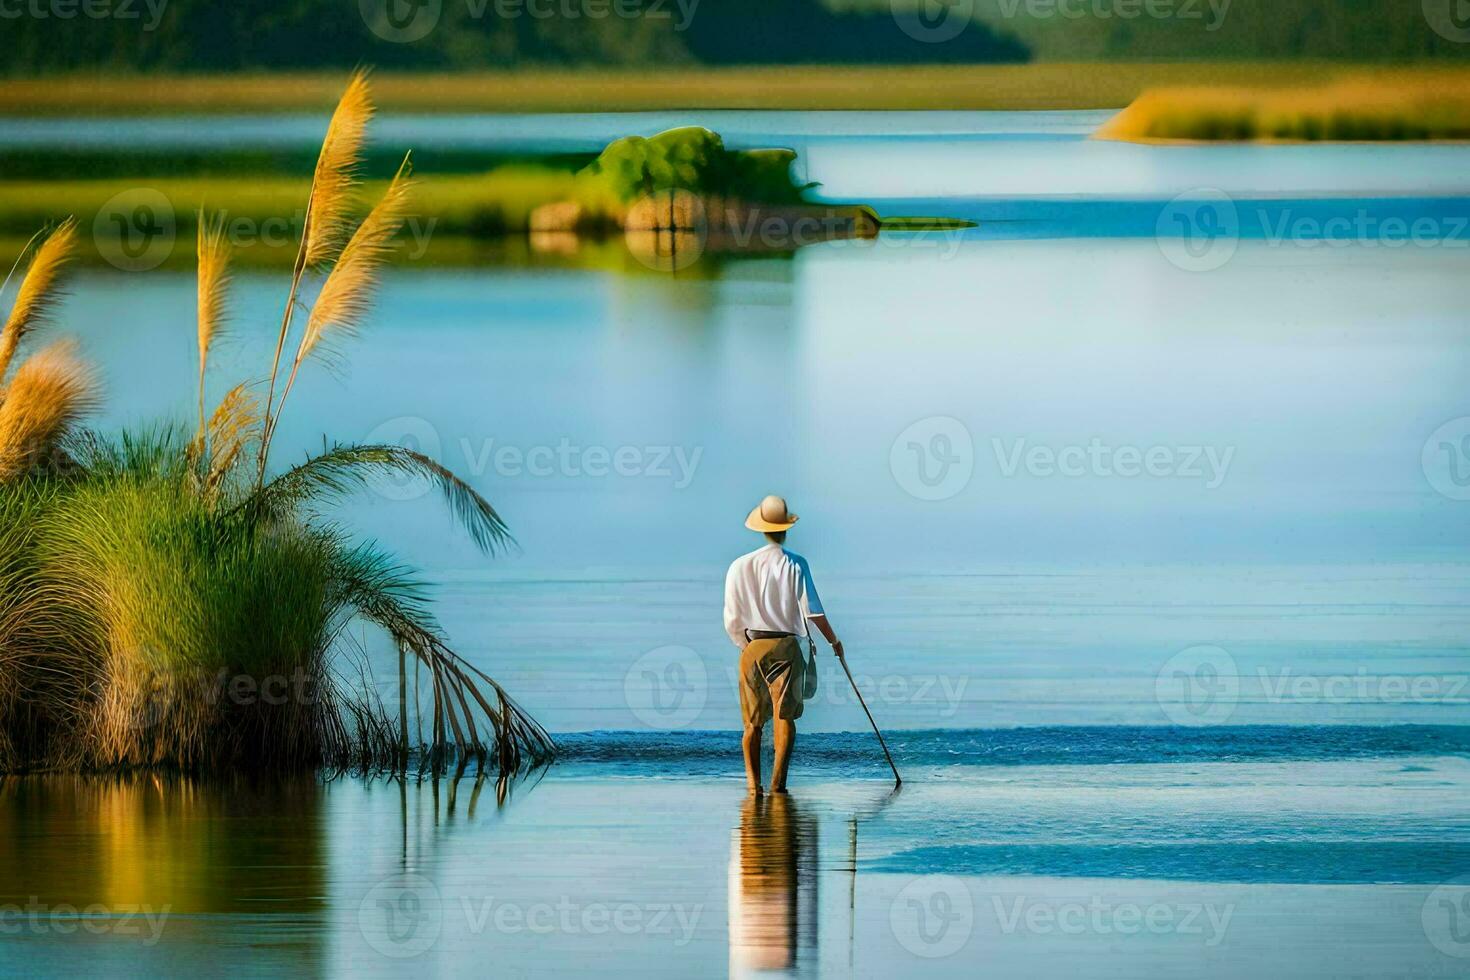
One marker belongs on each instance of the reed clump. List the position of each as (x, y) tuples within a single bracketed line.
[(167, 599), (1417, 106)]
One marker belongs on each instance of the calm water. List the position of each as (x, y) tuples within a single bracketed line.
[(1049, 476), (1109, 855)]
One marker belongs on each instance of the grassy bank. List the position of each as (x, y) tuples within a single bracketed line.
[(168, 597), (1092, 85), (140, 222), (1392, 106)]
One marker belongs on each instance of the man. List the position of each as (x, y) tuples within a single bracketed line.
[(769, 600)]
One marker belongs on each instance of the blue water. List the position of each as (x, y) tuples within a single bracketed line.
[(1246, 688), (1325, 223), (1318, 550), (857, 754), (1259, 804), (1247, 860)]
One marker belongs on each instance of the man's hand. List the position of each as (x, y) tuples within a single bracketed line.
[(837, 648)]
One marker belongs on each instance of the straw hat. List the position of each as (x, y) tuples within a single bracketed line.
[(771, 515)]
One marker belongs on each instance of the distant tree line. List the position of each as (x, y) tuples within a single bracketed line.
[(40, 36), (1128, 30)]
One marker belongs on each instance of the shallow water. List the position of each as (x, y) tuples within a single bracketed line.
[(1313, 542), (1309, 860), (1293, 570)]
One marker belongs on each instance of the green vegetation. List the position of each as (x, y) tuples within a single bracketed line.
[(1409, 108), (1030, 86), (692, 158), (1084, 30), (689, 161), (167, 600), (49, 163), (204, 35), (184, 36)]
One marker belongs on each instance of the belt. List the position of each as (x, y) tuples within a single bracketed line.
[(752, 635)]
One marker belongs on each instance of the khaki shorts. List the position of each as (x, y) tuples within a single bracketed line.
[(771, 680)]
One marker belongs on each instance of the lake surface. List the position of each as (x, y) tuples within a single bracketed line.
[(1105, 855), (1080, 486)]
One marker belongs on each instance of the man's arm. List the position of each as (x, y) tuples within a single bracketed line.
[(733, 626), (820, 622), (812, 604)]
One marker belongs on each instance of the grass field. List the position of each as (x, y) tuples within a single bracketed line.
[(457, 203), (1409, 106), (1035, 86), (263, 215)]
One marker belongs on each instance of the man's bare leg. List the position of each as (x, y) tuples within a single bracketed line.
[(751, 743), (785, 741)]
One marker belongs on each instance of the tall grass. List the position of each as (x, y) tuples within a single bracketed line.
[(166, 600)]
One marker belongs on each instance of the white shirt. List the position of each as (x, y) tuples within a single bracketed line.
[(769, 589)]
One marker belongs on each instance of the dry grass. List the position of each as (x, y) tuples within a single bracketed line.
[(324, 225), (233, 429), (40, 291), (1089, 85), (212, 253), (51, 392), (1391, 106), (334, 184), (347, 293), (346, 296)]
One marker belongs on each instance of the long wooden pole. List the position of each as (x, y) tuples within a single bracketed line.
[(897, 779)]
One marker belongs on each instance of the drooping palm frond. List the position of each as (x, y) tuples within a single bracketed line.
[(334, 183), (214, 282), (40, 291), (465, 717), (383, 590), (51, 391), (348, 469)]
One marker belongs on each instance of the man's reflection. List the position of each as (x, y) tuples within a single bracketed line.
[(773, 887)]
